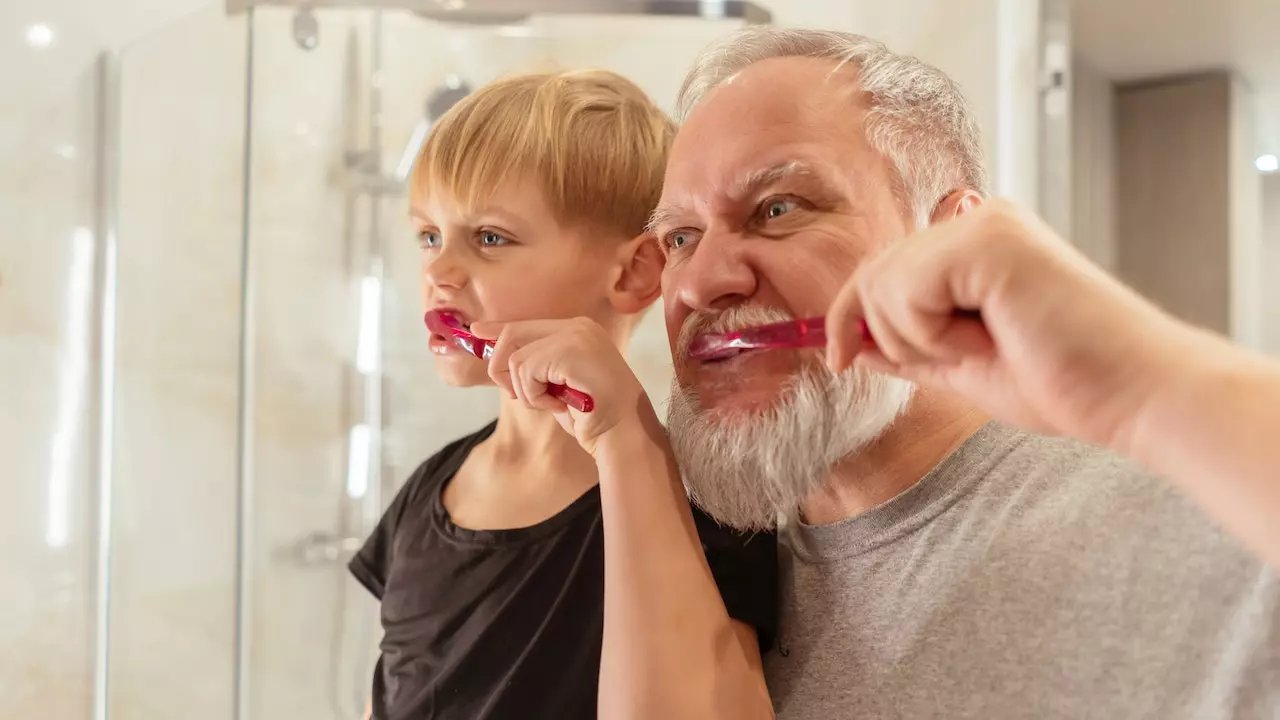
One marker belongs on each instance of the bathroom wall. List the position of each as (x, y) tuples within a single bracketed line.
[(1191, 241), (47, 547), (1093, 165), (1248, 282), (1271, 264)]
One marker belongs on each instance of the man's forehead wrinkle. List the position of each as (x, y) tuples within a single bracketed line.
[(774, 135)]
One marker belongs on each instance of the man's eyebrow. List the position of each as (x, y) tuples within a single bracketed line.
[(662, 216), (756, 180), (745, 187)]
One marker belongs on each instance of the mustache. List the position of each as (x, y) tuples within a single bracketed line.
[(738, 317)]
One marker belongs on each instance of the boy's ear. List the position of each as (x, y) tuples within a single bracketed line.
[(639, 280)]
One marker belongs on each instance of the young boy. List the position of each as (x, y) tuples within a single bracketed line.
[(531, 198)]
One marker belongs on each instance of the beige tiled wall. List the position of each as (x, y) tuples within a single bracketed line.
[(46, 518)]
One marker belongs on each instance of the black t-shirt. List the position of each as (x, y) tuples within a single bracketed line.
[(508, 623)]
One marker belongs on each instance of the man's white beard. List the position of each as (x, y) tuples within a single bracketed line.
[(749, 469)]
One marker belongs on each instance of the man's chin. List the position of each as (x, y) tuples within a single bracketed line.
[(752, 457), (738, 390), (739, 408)]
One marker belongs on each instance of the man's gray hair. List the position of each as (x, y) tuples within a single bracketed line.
[(917, 117)]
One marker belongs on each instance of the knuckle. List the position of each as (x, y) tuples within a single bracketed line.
[(1003, 223), (859, 284)]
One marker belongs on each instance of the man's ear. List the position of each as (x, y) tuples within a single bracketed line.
[(955, 204), (639, 280)]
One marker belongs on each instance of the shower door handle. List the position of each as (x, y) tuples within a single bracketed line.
[(322, 548)]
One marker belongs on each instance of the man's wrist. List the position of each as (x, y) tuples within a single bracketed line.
[(1185, 374)]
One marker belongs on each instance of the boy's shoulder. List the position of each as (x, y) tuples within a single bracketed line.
[(446, 461)]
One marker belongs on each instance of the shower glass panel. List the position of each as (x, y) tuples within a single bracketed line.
[(315, 331), (173, 517)]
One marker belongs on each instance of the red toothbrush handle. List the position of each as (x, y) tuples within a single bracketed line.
[(575, 399), (868, 342)]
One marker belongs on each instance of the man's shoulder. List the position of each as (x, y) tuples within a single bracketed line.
[(1061, 487), (1054, 482), (1028, 454)]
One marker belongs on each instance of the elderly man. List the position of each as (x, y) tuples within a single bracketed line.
[(934, 562)]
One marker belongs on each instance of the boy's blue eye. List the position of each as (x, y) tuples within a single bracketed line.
[(429, 239), (492, 239)]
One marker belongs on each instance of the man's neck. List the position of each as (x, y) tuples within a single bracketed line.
[(931, 428)]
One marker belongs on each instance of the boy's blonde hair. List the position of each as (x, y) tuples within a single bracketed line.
[(592, 140)]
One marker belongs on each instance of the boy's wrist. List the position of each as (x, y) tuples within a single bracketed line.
[(635, 435)]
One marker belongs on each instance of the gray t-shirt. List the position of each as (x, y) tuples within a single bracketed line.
[(1026, 577)]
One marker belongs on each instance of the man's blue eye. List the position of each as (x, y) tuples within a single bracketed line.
[(778, 208)]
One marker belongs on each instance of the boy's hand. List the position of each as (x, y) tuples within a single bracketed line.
[(530, 354)]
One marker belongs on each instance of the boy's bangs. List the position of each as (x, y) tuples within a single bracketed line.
[(593, 143), (466, 159)]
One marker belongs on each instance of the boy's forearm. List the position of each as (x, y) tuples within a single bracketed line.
[(1214, 430), (670, 649)]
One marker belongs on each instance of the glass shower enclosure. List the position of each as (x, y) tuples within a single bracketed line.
[(229, 379)]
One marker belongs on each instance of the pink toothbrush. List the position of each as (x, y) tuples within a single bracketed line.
[(448, 326), (791, 334)]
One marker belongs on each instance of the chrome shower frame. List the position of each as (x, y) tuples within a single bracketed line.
[(514, 11)]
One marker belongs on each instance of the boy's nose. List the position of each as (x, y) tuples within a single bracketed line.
[(444, 271)]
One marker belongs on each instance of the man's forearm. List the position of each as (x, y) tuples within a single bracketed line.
[(670, 649), (1214, 430)]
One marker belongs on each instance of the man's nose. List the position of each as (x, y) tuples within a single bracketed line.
[(716, 276)]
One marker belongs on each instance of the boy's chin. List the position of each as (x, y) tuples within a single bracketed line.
[(463, 372)]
